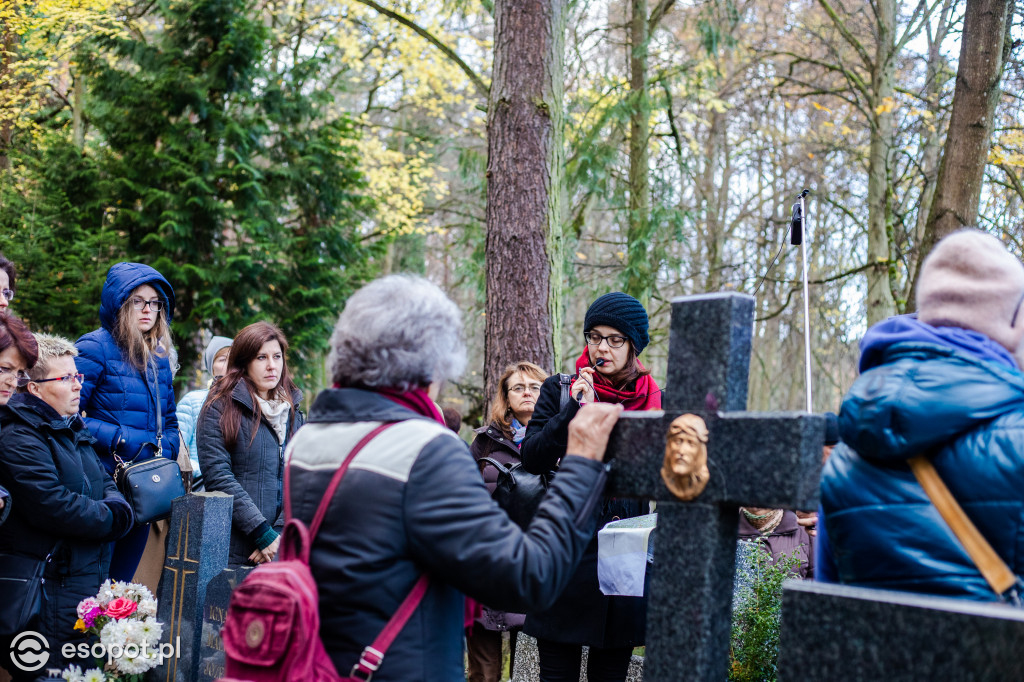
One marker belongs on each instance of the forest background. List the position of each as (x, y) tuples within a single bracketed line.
[(269, 156)]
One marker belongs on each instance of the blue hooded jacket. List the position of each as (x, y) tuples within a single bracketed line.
[(119, 401), (957, 397)]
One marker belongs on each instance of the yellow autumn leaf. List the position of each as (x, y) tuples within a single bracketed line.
[(581, 256), (820, 107)]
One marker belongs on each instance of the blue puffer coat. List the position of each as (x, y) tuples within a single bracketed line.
[(956, 400), (119, 402)]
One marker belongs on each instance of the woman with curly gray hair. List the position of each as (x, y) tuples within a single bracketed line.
[(411, 504)]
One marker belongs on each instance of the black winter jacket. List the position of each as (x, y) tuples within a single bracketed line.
[(252, 471), (413, 502), (582, 614), (492, 442), (60, 488)]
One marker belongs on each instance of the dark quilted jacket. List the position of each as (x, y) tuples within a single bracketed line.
[(119, 402), (251, 471)]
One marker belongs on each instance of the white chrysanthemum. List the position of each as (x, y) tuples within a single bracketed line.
[(94, 675), (106, 594), (73, 673), (114, 633), (119, 588), (135, 632), (151, 630), (147, 607), (139, 592), (137, 665)]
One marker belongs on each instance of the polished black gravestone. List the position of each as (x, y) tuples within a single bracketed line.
[(770, 459), (853, 634), (218, 595), (197, 550)]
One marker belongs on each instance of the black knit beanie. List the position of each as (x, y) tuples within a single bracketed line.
[(623, 312)]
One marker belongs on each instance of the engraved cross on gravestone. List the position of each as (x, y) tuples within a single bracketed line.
[(770, 459)]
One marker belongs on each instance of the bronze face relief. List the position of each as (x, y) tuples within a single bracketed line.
[(685, 468)]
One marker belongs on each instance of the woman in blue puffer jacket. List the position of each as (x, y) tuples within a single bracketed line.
[(945, 384), (127, 395)]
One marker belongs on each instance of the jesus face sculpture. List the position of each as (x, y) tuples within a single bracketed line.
[(685, 467)]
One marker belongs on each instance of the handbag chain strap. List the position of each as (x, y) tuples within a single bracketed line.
[(1000, 578)]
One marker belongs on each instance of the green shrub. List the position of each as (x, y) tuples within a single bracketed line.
[(756, 613)]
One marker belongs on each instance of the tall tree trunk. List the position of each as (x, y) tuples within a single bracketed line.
[(984, 49), (525, 162), (880, 301), (639, 271), (78, 111), (8, 42)]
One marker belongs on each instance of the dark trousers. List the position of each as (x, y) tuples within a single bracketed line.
[(561, 662), (128, 553)]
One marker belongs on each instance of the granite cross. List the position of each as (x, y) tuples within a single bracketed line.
[(770, 459)]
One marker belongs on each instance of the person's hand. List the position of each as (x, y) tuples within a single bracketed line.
[(271, 550), (809, 520), (256, 557), (2, 502), (584, 384), (590, 428)]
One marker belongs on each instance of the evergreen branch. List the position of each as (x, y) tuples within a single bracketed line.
[(435, 41)]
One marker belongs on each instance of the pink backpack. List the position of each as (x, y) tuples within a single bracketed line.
[(272, 630)]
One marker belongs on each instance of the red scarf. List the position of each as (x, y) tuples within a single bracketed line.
[(645, 395), (416, 400)]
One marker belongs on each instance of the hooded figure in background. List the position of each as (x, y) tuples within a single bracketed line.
[(945, 384), (127, 395), (215, 362)]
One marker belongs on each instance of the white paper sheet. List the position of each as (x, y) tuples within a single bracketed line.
[(623, 551)]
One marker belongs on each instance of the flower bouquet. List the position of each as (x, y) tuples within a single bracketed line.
[(123, 616)]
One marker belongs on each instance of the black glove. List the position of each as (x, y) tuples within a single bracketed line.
[(124, 517)]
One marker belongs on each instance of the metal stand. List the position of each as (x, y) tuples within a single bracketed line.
[(807, 315)]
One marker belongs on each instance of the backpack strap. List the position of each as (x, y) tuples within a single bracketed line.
[(372, 656), (565, 383), (325, 501)]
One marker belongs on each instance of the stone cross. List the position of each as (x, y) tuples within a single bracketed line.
[(753, 459), (197, 550)]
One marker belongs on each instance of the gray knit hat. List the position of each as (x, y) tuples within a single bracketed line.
[(216, 343), (970, 280), (623, 312)]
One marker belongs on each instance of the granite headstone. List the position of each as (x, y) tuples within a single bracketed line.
[(218, 595), (853, 634), (754, 459), (197, 550)]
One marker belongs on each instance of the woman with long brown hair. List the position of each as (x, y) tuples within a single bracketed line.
[(607, 371), (127, 395), (511, 411), (249, 417)]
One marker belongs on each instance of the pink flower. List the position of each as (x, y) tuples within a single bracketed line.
[(121, 608), (90, 618), (87, 605)]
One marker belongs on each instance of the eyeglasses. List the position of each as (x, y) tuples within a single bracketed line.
[(67, 379), (140, 303), (523, 388), (595, 339), (8, 294), (19, 374)]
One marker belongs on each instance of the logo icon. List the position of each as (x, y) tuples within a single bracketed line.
[(29, 651), (156, 478)]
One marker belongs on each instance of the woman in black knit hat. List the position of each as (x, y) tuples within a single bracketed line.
[(608, 370)]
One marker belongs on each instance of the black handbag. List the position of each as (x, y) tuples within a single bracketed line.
[(150, 485), (21, 583), (518, 491)]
